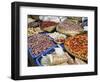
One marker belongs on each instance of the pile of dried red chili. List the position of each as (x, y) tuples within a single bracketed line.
[(47, 23)]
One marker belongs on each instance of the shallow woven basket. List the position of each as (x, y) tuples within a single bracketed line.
[(80, 57)]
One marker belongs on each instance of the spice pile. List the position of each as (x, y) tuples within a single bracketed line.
[(39, 43)]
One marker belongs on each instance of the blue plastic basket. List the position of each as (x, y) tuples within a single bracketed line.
[(38, 61)]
